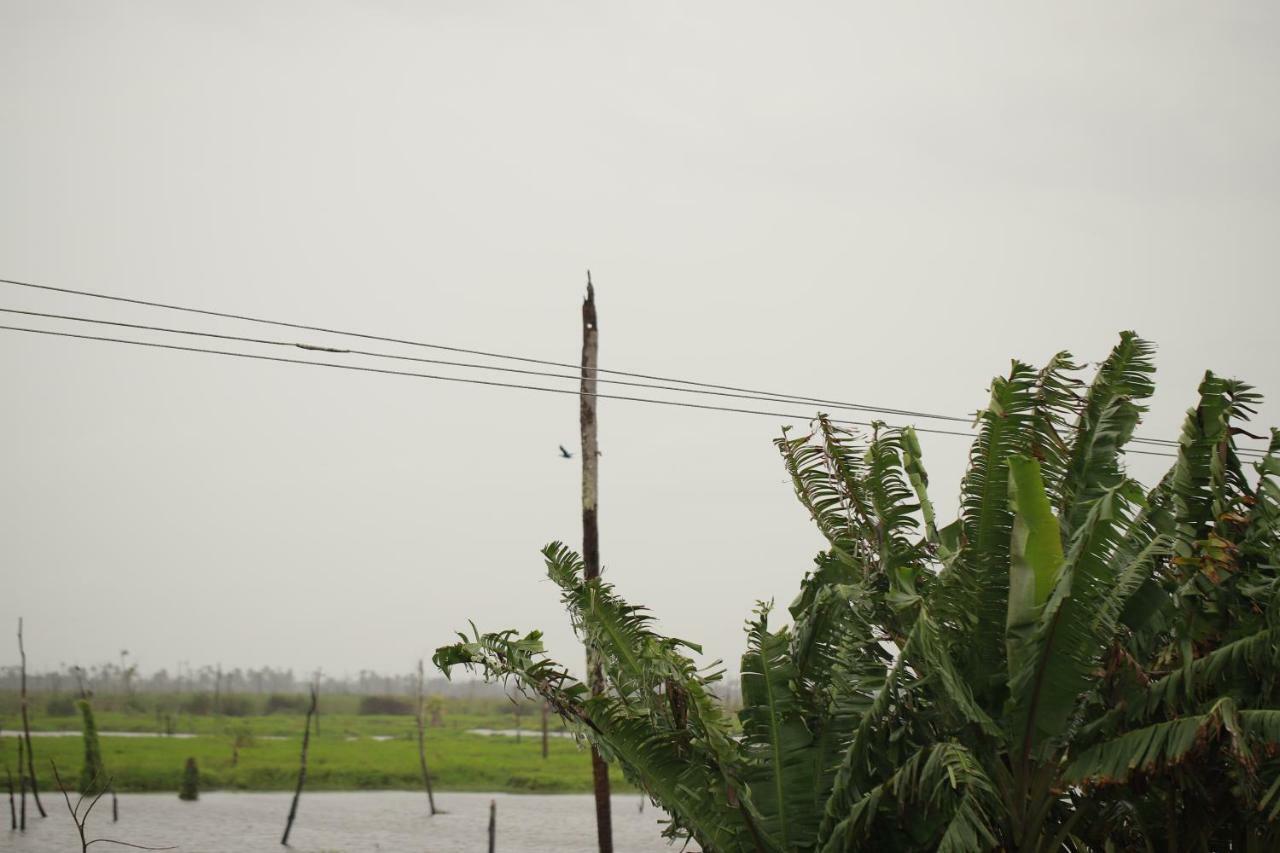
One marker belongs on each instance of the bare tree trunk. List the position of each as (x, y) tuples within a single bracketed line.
[(422, 738), (217, 692), (316, 690), (591, 538), (13, 810), (544, 730), (493, 824), (22, 789), (302, 768), (115, 806), (26, 726)]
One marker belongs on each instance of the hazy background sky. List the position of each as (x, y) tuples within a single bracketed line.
[(876, 202)]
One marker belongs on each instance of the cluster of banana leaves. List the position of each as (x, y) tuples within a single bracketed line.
[(1076, 663)]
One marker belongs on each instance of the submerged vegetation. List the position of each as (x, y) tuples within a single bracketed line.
[(1075, 663)]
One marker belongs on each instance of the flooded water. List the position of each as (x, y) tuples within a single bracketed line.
[(347, 822)]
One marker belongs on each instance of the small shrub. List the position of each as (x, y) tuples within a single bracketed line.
[(385, 705), (61, 706), (198, 705), (92, 773), (190, 788)]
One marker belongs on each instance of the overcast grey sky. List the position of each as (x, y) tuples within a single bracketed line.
[(876, 202)]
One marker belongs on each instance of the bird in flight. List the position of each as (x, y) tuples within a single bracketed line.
[(564, 453)]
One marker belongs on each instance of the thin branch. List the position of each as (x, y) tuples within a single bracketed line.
[(125, 844), (80, 821)]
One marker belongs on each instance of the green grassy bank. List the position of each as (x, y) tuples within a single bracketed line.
[(243, 753)]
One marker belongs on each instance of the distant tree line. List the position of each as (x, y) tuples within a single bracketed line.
[(123, 679)]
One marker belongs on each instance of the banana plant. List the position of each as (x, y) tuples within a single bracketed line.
[(1076, 663)]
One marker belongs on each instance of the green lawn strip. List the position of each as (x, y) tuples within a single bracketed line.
[(458, 761)]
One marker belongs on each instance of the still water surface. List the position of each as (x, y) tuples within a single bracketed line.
[(350, 822)]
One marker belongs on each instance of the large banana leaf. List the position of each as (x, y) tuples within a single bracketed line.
[(779, 767), (1073, 664), (692, 791)]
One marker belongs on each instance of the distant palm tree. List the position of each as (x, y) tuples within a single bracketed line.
[(1074, 664)]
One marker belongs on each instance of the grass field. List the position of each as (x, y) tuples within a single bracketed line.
[(243, 753)]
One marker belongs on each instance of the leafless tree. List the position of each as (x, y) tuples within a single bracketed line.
[(545, 709), (22, 789), (13, 810), (26, 726), (302, 766), (422, 745), (82, 819)]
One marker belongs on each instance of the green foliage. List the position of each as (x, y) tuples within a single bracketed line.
[(393, 705), (93, 774), (190, 787), (204, 703), (293, 703), (1075, 663)]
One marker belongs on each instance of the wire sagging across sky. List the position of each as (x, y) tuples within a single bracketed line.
[(662, 383)]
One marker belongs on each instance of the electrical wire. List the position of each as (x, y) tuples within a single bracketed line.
[(444, 362), (465, 381), (492, 384), (714, 389)]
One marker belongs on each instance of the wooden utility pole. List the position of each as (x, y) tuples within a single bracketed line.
[(591, 537), (302, 768), (26, 726), (422, 737)]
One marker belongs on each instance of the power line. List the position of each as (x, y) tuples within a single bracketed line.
[(484, 353), (490, 383), (718, 389), (444, 362), (511, 385), (447, 363)]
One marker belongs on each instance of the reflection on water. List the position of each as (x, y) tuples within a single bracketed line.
[(351, 822)]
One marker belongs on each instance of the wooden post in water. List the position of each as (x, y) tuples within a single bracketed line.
[(493, 824), (422, 745), (591, 537), (26, 728), (302, 768)]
